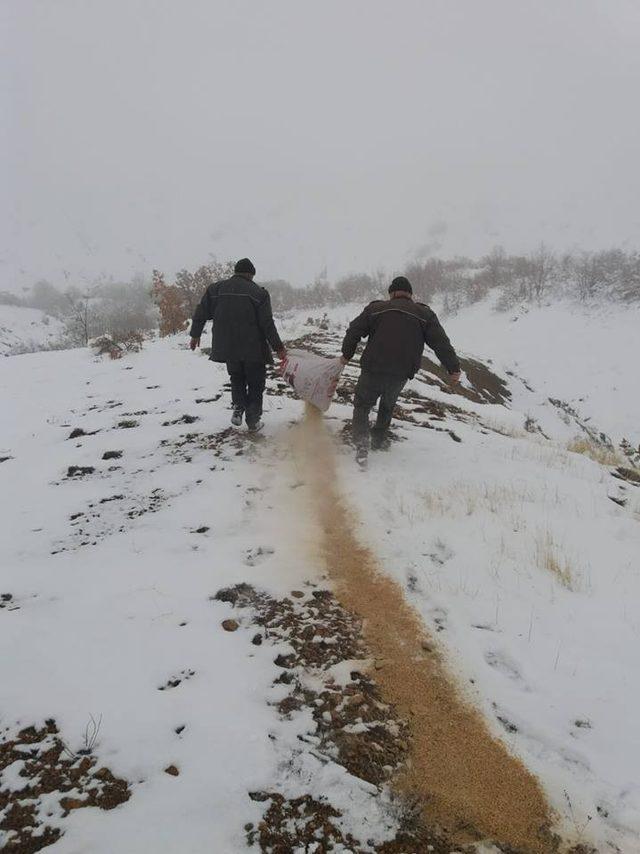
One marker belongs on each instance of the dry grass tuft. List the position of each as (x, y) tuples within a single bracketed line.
[(465, 499), (549, 557), (598, 453)]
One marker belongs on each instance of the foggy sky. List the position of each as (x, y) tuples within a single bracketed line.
[(346, 134)]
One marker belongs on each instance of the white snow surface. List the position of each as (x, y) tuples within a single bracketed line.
[(26, 329), (468, 529), (585, 355)]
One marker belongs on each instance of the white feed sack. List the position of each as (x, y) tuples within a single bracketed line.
[(314, 378)]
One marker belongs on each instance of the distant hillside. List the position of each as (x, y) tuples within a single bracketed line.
[(24, 330)]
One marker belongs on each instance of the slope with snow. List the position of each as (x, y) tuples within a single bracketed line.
[(587, 356), (114, 542), (23, 330)]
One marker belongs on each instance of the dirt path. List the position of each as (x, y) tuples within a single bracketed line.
[(469, 782)]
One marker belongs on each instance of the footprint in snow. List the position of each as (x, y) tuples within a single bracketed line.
[(254, 557), (504, 720), (412, 582), (439, 616), (440, 553), (174, 681), (580, 724), (501, 662)]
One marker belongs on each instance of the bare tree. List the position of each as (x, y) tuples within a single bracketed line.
[(80, 316), (542, 265)]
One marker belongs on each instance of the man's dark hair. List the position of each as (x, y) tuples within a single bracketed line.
[(244, 266), (400, 283)]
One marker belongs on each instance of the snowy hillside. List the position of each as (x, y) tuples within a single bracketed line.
[(585, 355), (214, 641), (24, 330)]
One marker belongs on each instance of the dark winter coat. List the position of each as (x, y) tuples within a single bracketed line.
[(243, 326), (397, 330)]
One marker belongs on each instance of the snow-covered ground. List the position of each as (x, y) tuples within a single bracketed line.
[(506, 544), (26, 329), (587, 356)]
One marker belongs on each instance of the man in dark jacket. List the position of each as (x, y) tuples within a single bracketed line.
[(398, 329), (243, 335)]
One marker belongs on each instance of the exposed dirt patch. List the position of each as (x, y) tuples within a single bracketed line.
[(296, 824), (174, 681), (108, 516), (144, 504), (628, 475), (213, 399), (45, 769), (316, 342), (77, 432), (309, 824), (110, 404), (354, 727), (184, 419), (487, 386), (410, 404), (80, 471), (112, 455), (569, 415), (8, 602), (225, 445), (626, 448)]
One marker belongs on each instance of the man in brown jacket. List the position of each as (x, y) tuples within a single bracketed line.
[(397, 329)]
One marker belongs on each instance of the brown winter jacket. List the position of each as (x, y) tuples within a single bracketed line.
[(397, 330)]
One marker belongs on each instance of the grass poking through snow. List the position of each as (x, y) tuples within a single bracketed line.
[(598, 453), (550, 558)]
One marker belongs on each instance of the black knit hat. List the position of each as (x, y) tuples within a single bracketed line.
[(245, 266), (400, 283)]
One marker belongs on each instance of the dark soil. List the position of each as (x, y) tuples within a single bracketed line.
[(79, 471), (50, 769), (213, 399), (184, 419), (628, 475), (224, 445), (78, 432), (321, 633), (174, 681), (571, 414), (309, 824), (487, 386), (8, 602), (112, 455)]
